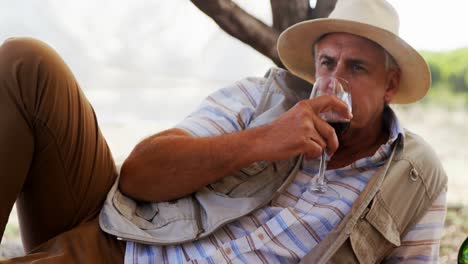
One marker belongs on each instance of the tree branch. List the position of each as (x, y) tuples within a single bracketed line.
[(288, 13), (323, 8), (241, 25)]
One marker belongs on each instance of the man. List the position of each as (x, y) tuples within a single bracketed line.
[(230, 184)]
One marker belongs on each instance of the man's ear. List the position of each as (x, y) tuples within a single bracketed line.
[(393, 83)]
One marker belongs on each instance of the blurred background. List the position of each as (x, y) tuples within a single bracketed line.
[(144, 65)]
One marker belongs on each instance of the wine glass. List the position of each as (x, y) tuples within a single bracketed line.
[(340, 88)]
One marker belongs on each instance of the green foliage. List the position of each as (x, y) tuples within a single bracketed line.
[(11, 231), (449, 76)]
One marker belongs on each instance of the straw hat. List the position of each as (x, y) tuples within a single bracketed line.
[(375, 20)]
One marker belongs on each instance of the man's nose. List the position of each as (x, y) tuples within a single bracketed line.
[(340, 70)]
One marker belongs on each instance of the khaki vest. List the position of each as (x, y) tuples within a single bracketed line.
[(392, 202)]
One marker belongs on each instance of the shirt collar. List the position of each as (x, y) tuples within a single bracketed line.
[(393, 125), (395, 130)]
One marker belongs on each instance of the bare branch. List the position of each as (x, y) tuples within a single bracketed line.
[(323, 8), (241, 25), (288, 13)]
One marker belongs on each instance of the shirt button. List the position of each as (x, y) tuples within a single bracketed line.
[(228, 251), (261, 236)]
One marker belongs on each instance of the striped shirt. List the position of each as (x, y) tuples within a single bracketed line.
[(298, 219)]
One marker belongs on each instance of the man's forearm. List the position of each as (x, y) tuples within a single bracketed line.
[(173, 164)]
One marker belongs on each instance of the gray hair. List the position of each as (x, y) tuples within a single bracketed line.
[(390, 63)]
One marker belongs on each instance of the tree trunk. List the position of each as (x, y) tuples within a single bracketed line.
[(287, 13), (238, 23), (241, 25), (323, 8)]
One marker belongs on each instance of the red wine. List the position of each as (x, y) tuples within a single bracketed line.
[(339, 126)]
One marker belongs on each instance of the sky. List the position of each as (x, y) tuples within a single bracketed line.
[(433, 24), (155, 60), (144, 40), (155, 47)]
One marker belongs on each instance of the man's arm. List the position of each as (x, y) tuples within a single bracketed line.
[(422, 243), (172, 164)]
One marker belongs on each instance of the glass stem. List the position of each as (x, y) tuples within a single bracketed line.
[(322, 168)]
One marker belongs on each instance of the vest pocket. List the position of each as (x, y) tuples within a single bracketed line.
[(148, 216), (255, 168), (375, 233), (140, 215), (229, 183)]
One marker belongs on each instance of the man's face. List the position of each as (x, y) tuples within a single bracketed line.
[(362, 63)]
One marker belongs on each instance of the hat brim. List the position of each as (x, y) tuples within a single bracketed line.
[(295, 49)]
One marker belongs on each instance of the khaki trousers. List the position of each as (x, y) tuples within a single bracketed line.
[(54, 161)]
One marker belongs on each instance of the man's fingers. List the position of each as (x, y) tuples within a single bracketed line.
[(318, 140), (313, 150)]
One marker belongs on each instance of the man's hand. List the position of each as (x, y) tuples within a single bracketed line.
[(301, 130), (172, 164)]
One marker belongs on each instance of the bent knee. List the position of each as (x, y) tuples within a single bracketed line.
[(27, 49)]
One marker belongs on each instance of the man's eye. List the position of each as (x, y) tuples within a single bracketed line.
[(358, 67), (326, 63)]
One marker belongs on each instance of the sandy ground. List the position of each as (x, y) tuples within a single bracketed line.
[(444, 129)]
